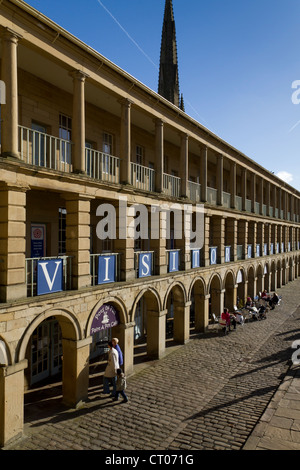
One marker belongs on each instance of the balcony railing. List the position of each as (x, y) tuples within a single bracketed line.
[(142, 177), (194, 191), (44, 150), (226, 199), (212, 195), (32, 273), (171, 185), (239, 203), (102, 166)]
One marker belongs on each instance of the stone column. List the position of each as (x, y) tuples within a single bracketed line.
[(78, 238), (261, 195), (206, 240), (125, 333), (158, 239), (125, 142), (76, 355), (232, 185), (218, 236), (253, 191), (11, 402), (159, 155), (156, 333), (231, 232), (203, 175), (220, 180), (184, 165), (12, 242), (182, 322), (123, 243), (78, 122), (244, 188), (9, 110), (201, 311), (268, 197)]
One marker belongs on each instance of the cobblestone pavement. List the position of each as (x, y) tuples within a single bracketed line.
[(207, 394)]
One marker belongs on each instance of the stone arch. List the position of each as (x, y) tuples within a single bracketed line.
[(149, 324), (273, 276), (216, 295), (199, 303), (115, 302), (178, 315), (229, 290), (5, 353), (283, 271), (260, 278), (241, 282), (251, 282), (68, 323), (279, 274), (267, 276), (291, 269)]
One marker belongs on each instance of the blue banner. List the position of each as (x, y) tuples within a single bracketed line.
[(145, 265), (106, 269), (173, 261), (49, 276), (265, 249), (227, 254), (213, 255), (195, 258), (257, 250), (272, 249), (249, 251)]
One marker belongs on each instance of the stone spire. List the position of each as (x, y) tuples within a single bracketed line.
[(168, 82)]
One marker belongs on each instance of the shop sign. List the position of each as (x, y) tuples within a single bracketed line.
[(106, 269), (49, 276), (227, 254), (145, 264), (106, 317), (195, 258), (38, 238), (249, 251)]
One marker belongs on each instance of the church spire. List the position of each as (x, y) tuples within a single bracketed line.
[(168, 82)]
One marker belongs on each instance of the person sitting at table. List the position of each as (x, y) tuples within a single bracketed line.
[(249, 302), (274, 301)]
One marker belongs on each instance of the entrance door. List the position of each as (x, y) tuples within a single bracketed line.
[(46, 351)]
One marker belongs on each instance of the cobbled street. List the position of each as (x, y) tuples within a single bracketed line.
[(208, 394)]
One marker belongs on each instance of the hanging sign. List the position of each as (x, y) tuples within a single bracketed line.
[(145, 264), (173, 261), (38, 239), (106, 317), (195, 258), (213, 255), (106, 269), (227, 254)]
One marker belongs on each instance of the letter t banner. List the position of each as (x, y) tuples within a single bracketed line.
[(49, 276)]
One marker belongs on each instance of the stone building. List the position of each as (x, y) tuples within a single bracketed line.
[(81, 139)]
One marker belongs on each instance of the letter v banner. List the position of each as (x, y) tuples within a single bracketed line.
[(49, 276)]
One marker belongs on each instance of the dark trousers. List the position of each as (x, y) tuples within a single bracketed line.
[(123, 394)]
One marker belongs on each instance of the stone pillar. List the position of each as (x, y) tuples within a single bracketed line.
[(220, 180), (9, 110), (158, 239), (253, 191), (11, 402), (12, 242), (184, 165), (159, 155), (201, 311), (268, 197), (206, 239), (182, 322), (231, 232), (233, 185), (78, 122), (252, 237), (125, 334), (78, 238), (76, 355), (244, 188), (123, 243), (203, 175), (218, 236), (156, 333), (125, 142), (261, 195)]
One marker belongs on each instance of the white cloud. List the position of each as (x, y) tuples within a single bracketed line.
[(285, 176)]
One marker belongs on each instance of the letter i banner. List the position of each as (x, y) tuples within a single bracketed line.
[(49, 276), (106, 269)]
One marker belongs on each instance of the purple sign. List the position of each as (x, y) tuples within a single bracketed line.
[(106, 317)]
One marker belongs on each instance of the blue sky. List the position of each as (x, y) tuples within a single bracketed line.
[(237, 63)]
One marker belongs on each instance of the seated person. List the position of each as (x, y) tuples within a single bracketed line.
[(264, 295), (249, 302), (274, 300)]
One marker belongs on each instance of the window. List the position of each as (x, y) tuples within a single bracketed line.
[(140, 155), (62, 213), (65, 133)]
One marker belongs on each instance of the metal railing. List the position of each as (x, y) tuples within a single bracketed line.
[(194, 191), (102, 166), (171, 185), (44, 150), (31, 273), (226, 199), (142, 177), (212, 195)]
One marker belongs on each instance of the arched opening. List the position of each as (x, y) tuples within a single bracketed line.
[(251, 282), (149, 329), (291, 270), (241, 288), (198, 310), (230, 291), (279, 274), (177, 318), (259, 276), (267, 277), (273, 276), (216, 297), (283, 273)]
